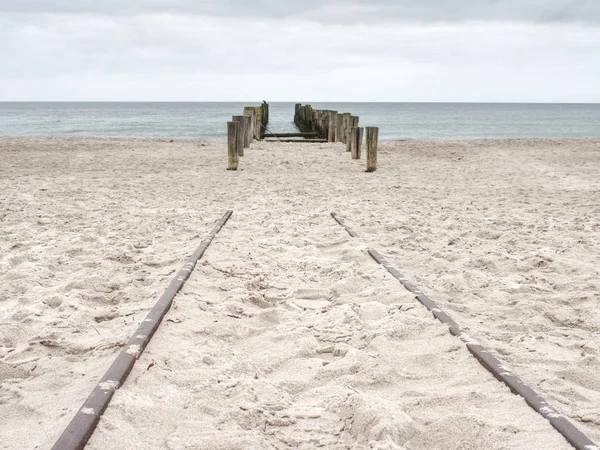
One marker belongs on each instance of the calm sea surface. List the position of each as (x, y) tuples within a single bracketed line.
[(395, 120)]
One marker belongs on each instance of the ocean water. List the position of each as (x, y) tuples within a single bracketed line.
[(206, 120)]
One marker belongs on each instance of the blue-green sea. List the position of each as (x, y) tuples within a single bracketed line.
[(207, 120)]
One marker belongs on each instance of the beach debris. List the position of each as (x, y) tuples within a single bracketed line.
[(175, 320)]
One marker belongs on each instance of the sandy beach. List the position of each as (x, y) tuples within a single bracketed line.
[(287, 334)]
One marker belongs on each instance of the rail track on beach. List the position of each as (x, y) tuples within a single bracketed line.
[(504, 374), (84, 423), (321, 350)]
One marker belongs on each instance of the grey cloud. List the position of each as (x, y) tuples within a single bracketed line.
[(185, 57), (331, 11)]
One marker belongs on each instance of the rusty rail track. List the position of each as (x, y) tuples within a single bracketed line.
[(82, 426), (570, 432)]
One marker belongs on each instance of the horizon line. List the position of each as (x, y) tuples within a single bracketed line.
[(304, 102)]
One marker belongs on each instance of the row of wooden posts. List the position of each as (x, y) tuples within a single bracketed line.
[(243, 130), (338, 127), (327, 125)]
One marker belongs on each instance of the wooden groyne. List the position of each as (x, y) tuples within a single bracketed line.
[(260, 120), (327, 124), (314, 125), (243, 130), (318, 121), (333, 126)]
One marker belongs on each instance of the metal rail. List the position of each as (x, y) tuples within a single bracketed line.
[(571, 433), (81, 427)]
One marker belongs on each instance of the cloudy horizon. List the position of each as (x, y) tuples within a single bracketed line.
[(383, 50)]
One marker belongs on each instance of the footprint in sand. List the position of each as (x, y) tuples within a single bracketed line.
[(312, 298), (372, 311), (373, 419)]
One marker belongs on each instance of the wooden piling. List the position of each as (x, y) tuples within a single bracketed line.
[(264, 118), (325, 124), (328, 125), (333, 115), (310, 120), (241, 131), (372, 139), (351, 122), (297, 108), (246, 130), (257, 121), (356, 137), (344, 130), (338, 127), (251, 111), (232, 145)]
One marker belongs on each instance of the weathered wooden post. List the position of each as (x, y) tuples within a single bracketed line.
[(359, 139), (246, 131), (356, 136), (351, 122), (347, 133), (352, 142), (241, 131), (372, 138), (232, 145), (251, 111), (257, 121), (297, 107), (332, 124), (264, 118), (338, 127), (325, 124), (345, 119), (355, 121)]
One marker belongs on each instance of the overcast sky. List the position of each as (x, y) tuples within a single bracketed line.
[(310, 50)]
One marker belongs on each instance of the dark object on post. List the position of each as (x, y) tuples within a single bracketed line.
[(232, 155), (80, 429), (241, 133), (356, 138), (372, 138)]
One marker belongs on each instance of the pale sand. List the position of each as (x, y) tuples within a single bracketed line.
[(288, 333)]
